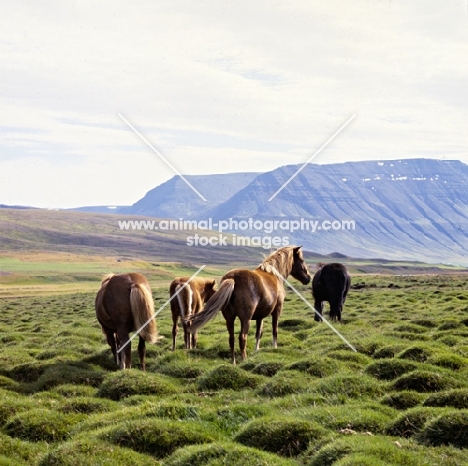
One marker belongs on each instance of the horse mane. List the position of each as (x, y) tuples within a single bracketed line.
[(320, 265), (278, 263), (106, 278)]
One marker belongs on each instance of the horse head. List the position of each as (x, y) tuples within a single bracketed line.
[(300, 270), (209, 290)]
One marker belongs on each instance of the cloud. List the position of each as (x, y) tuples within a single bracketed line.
[(221, 86)]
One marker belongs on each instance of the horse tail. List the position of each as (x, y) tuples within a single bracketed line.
[(216, 303), (142, 306), (185, 299)]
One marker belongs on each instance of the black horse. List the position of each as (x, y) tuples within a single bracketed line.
[(331, 283)]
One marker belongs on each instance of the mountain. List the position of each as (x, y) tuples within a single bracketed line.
[(175, 199), (412, 209)]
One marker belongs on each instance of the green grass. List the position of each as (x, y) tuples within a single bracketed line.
[(312, 401)]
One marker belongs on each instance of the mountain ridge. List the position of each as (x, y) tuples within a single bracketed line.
[(410, 208), (416, 209)]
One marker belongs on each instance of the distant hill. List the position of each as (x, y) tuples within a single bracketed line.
[(414, 209), (99, 234), (175, 199), (99, 209), (35, 230)]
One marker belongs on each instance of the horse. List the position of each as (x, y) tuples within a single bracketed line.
[(331, 283), (253, 295), (125, 304), (189, 301)]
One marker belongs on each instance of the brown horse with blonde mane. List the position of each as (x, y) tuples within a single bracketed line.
[(254, 295), (188, 302), (125, 304)]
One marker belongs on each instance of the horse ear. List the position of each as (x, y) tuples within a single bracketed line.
[(297, 249)]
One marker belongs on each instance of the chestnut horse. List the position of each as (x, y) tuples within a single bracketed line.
[(189, 301), (125, 304), (331, 283), (254, 295)]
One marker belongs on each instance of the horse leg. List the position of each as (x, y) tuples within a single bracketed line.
[(245, 325), (187, 335), (274, 328), (335, 309), (194, 340), (230, 328), (258, 333), (142, 352), (125, 353), (318, 305), (112, 343), (175, 329)]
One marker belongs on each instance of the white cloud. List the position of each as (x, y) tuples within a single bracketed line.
[(220, 86)]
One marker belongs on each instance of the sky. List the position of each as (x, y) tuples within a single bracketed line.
[(220, 86)]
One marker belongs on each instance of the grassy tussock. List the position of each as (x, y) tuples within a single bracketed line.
[(379, 450), (92, 452), (389, 369), (227, 377), (285, 437), (157, 437), (425, 381), (447, 429), (285, 383), (41, 425), (122, 384), (411, 422), (457, 398), (224, 453), (322, 367), (403, 400)]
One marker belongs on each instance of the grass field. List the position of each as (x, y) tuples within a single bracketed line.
[(402, 399)]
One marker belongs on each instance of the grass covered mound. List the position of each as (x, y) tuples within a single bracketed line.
[(224, 453), (418, 353), (352, 386), (322, 367), (359, 418), (12, 403), (424, 381), (285, 437), (457, 398), (121, 384), (268, 369), (159, 437), (448, 429), (378, 450), (231, 418), (86, 405), (18, 451), (92, 452), (285, 383), (389, 369), (411, 422), (41, 425), (227, 377), (403, 400)]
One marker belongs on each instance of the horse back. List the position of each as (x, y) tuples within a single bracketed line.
[(200, 290), (330, 281), (255, 289), (112, 303)]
